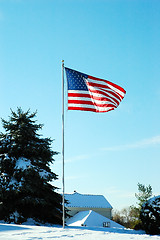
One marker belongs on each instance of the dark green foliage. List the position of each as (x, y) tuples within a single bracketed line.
[(150, 215), (25, 158)]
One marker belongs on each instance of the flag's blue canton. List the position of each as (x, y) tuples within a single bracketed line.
[(76, 80)]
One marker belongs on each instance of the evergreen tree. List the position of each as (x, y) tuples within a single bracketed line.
[(150, 215), (25, 174), (145, 192)]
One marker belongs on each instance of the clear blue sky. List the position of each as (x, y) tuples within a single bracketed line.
[(118, 40)]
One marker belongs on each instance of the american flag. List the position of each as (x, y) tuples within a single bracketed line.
[(89, 93)]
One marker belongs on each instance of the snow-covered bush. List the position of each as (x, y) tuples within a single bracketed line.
[(150, 215)]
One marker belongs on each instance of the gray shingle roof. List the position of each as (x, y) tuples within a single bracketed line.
[(87, 201)]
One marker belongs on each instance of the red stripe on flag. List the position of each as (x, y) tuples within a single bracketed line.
[(78, 95), (91, 103), (89, 109)]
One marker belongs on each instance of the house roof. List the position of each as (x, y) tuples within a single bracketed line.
[(91, 219), (87, 201)]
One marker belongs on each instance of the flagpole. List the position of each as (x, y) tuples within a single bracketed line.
[(63, 141)]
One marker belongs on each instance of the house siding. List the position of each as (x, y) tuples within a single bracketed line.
[(103, 211)]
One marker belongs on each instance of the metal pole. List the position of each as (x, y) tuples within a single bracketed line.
[(63, 140)]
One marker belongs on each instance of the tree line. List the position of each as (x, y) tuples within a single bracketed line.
[(130, 216), (145, 216)]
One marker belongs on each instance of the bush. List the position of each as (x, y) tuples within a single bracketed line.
[(150, 215)]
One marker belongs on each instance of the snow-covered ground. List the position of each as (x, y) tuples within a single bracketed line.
[(28, 232)]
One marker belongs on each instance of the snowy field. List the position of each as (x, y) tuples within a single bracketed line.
[(26, 232)]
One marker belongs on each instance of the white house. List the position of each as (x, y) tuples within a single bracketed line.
[(84, 202)]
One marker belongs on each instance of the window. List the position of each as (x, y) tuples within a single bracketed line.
[(106, 224)]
